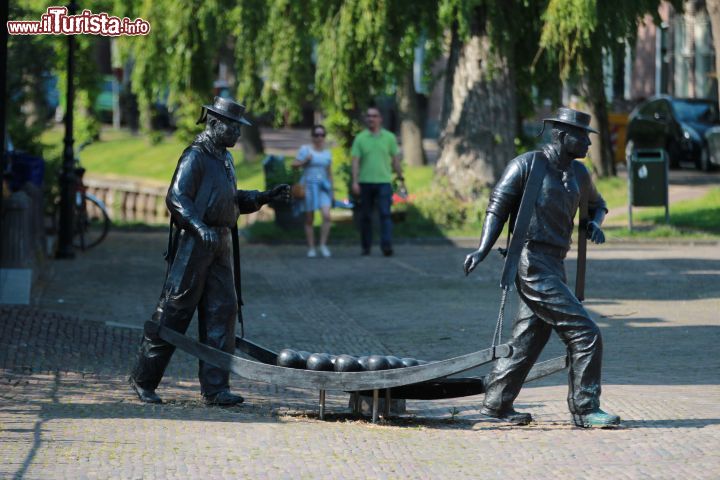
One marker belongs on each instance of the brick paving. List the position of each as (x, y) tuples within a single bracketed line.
[(66, 412)]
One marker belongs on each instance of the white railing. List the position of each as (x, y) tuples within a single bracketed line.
[(144, 202)]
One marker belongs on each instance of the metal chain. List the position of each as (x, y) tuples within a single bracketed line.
[(497, 336)]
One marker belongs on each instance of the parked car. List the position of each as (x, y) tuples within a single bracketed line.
[(678, 125)]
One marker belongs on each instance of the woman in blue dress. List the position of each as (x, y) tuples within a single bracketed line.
[(316, 161)]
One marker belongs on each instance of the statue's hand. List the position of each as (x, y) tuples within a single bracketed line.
[(208, 237), (472, 261), (281, 193), (595, 233)]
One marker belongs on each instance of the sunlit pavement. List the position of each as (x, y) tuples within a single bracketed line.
[(66, 410)]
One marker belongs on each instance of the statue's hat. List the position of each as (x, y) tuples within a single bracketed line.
[(225, 107), (568, 116)]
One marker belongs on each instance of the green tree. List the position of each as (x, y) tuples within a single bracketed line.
[(27, 109), (352, 49), (487, 54), (249, 18), (289, 60), (411, 23), (576, 34), (177, 62), (32, 62), (273, 59)]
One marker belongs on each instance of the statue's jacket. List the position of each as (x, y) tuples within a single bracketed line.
[(556, 204), (204, 192)]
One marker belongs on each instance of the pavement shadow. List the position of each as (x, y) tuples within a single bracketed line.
[(694, 178), (176, 410), (37, 430), (651, 279), (637, 354), (678, 423)]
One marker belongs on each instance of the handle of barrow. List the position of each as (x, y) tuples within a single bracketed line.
[(237, 278)]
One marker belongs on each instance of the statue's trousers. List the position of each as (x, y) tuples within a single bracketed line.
[(547, 304), (197, 279)]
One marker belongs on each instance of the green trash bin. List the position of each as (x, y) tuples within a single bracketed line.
[(648, 171), (276, 172)]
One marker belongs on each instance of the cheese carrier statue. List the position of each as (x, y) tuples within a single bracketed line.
[(556, 185), (203, 257)]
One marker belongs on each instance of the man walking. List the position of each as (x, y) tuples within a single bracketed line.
[(555, 185), (204, 203), (374, 152)]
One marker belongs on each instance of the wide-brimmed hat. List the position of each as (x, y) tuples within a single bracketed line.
[(568, 116), (225, 107)]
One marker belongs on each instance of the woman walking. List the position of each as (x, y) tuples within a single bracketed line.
[(316, 161)]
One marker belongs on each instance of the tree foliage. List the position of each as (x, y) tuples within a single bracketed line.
[(341, 54), (177, 62), (576, 34), (351, 59), (288, 52), (33, 62), (488, 84), (249, 19), (576, 30)]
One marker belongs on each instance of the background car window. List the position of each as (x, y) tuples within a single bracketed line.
[(664, 107), (704, 112), (648, 109)]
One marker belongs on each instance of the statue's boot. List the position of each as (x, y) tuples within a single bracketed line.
[(223, 398), (509, 415), (596, 419), (145, 395)]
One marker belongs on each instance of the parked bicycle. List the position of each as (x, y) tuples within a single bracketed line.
[(91, 219)]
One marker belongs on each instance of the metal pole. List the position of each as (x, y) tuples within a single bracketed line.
[(322, 404), (67, 175), (630, 188), (3, 102), (667, 186)]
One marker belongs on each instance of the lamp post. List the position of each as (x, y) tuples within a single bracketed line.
[(67, 175), (3, 101)]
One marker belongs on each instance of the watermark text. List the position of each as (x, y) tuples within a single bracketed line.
[(56, 21)]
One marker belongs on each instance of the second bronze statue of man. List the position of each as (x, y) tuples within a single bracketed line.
[(204, 204), (541, 192)]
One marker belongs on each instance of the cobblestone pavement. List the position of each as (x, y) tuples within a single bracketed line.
[(66, 412)]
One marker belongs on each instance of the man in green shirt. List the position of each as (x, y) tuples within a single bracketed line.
[(374, 152)]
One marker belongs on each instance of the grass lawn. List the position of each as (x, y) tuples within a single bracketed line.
[(699, 218), (122, 154), (613, 190)]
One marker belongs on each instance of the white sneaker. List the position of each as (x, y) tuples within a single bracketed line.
[(312, 253), (324, 251)]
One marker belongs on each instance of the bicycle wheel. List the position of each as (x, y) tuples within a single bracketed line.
[(92, 222)]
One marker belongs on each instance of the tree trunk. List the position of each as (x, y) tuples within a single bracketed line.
[(713, 8), (477, 139), (410, 130), (251, 141), (146, 114), (452, 61), (601, 152)]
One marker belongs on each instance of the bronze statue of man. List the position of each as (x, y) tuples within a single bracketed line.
[(204, 204), (546, 302)]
